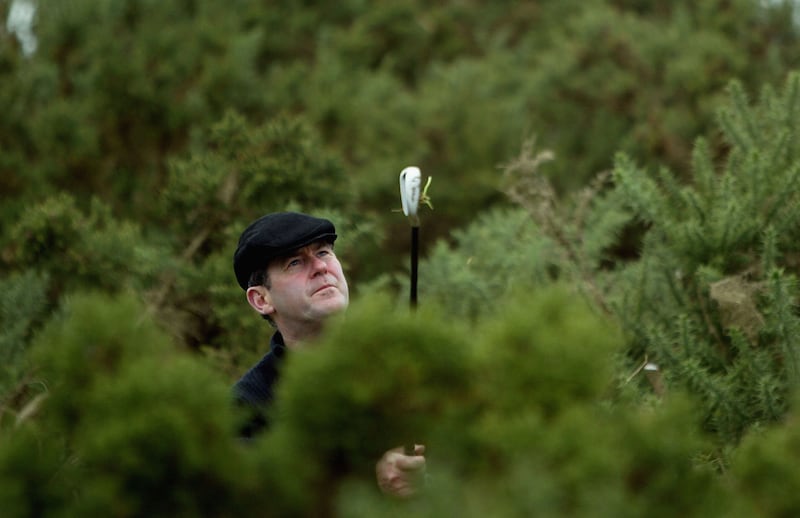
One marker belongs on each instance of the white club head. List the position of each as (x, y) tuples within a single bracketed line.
[(410, 180)]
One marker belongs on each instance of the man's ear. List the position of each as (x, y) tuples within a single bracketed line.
[(258, 297)]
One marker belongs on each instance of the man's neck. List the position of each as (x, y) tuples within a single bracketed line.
[(296, 337)]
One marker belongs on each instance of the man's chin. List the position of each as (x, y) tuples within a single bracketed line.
[(332, 304)]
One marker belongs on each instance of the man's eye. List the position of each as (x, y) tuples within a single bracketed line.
[(293, 262)]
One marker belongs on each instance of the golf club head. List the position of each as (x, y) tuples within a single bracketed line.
[(410, 180)]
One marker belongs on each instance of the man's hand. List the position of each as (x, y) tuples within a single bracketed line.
[(400, 475)]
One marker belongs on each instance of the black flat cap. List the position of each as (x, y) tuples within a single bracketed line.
[(274, 235)]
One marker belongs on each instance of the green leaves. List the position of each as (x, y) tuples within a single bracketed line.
[(127, 423), (720, 244), (142, 136), (382, 378), (79, 248)]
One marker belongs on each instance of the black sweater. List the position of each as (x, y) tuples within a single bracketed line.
[(255, 390)]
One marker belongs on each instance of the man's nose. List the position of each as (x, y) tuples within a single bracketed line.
[(318, 265)]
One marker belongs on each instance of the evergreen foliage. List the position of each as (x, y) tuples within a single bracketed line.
[(118, 90), (78, 248), (132, 425), (379, 379), (708, 311), (141, 137), (129, 424), (766, 456), (710, 296), (497, 252), (22, 307)]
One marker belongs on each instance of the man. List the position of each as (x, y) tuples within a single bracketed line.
[(291, 276)]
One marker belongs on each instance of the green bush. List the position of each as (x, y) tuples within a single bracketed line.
[(127, 424), (764, 458), (81, 248), (23, 305), (501, 249), (711, 298), (141, 137)]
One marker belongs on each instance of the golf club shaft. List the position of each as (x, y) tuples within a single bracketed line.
[(414, 263), (409, 448)]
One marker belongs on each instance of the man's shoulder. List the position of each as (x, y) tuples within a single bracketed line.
[(254, 390), (255, 386)]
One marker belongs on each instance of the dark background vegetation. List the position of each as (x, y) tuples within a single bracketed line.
[(614, 191)]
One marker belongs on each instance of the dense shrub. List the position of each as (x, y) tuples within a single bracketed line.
[(131, 424), (141, 137)]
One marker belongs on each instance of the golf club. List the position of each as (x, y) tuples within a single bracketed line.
[(410, 179)]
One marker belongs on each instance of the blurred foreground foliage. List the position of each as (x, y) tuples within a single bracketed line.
[(609, 319), (123, 423)]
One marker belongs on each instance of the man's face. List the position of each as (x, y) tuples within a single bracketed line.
[(307, 286)]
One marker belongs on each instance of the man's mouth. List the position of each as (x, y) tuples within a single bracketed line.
[(325, 287)]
